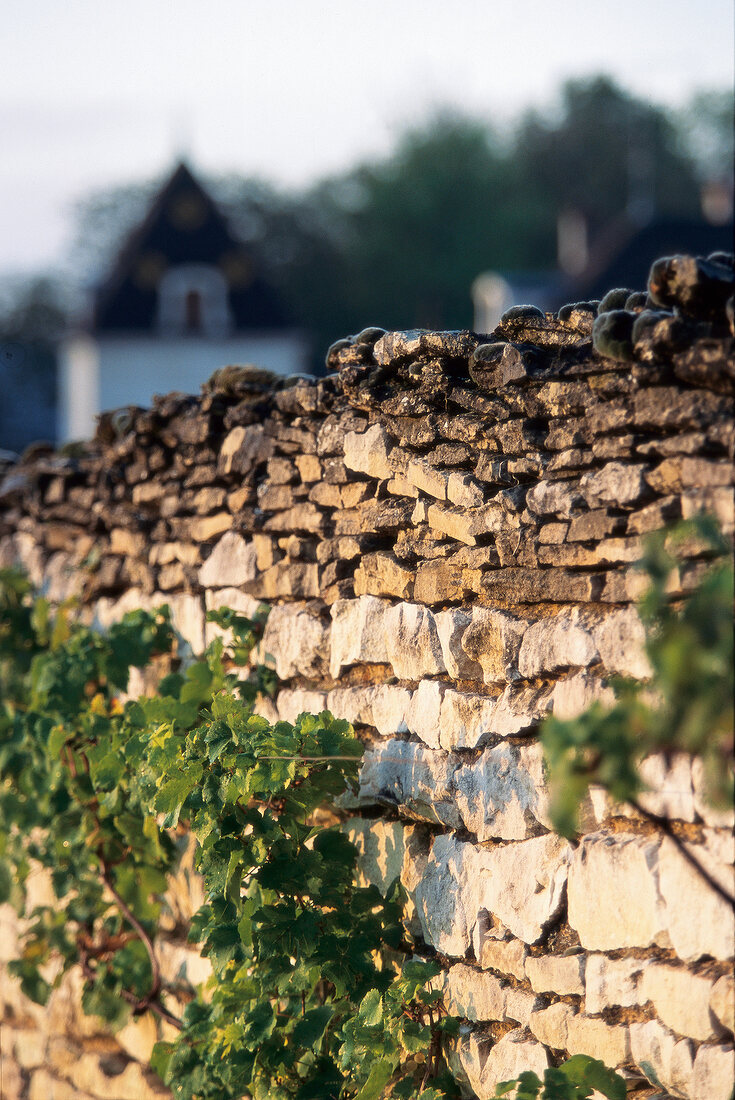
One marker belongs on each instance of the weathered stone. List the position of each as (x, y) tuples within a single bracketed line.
[(572, 696), (714, 1073), (381, 575), (683, 892), (664, 1059), (553, 498), (216, 598), (389, 708), (560, 974), (369, 452), (550, 1025), (676, 474), (722, 1001), (231, 563), (451, 627), (243, 448), (607, 1042), (505, 956), (521, 885), (501, 795), (412, 642), (423, 715), (208, 527), (486, 1066), (561, 641), (463, 490), (419, 781), (681, 999), (668, 788), (620, 640), (614, 901), (493, 640), (611, 983), (388, 850), (466, 720), (297, 641), (616, 483), (291, 702), (423, 344), (358, 633)]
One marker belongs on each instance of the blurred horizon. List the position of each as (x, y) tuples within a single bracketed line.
[(92, 98)]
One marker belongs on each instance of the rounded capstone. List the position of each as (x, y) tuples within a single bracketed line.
[(612, 334)]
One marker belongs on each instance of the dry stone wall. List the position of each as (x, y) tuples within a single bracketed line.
[(445, 528)]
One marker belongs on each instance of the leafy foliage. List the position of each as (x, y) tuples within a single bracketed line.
[(686, 707), (576, 1079), (311, 994)]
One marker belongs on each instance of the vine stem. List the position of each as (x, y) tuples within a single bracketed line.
[(152, 999), (665, 825)]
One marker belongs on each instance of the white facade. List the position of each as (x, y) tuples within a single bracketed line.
[(97, 375)]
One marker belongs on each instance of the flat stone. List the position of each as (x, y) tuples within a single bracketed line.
[(381, 575), (424, 344), (573, 695), (681, 999), (412, 642), (475, 995), (550, 1025), (463, 490), (684, 892), (714, 1073), (390, 705), (369, 452), (520, 884), (291, 702), (505, 956), (412, 777), (562, 974), (664, 1059), (616, 483), (354, 704), (297, 640), (451, 626), (614, 899), (610, 1043), (612, 982), (501, 795), (466, 720), (620, 640), (722, 1001), (231, 563), (358, 633), (208, 527), (493, 639), (561, 641), (423, 716), (486, 1065), (553, 498)]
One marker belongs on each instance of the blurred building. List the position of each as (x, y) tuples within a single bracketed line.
[(182, 299)]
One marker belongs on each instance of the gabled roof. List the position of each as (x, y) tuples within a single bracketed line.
[(183, 226)]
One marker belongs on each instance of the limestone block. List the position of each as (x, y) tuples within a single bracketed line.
[(183, 964), (616, 483), (187, 617), (412, 641), (28, 1047), (45, 1086), (138, 1037), (494, 640), (572, 696), (231, 563), (551, 1025), (670, 790), (608, 1042), (463, 490), (292, 702), (427, 479), (132, 1083), (681, 999), (620, 640), (408, 775), (553, 498), (358, 633), (354, 704), (424, 711), (611, 982), (561, 641), (485, 1066), (297, 641), (369, 452), (520, 885), (560, 974), (684, 892), (390, 705), (475, 995), (722, 1001), (63, 579), (465, 720), (614, 901), (664, 1059), (502, 794), (714, 1073), (451, 627), (505, 956)]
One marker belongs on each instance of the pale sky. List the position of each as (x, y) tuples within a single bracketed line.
[(99, 92)]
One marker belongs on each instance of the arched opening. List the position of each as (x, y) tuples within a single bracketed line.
[(193, 312)]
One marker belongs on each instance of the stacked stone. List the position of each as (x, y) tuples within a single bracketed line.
[(445, 528)]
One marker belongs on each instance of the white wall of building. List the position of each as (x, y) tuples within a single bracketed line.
[(98, 375)]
